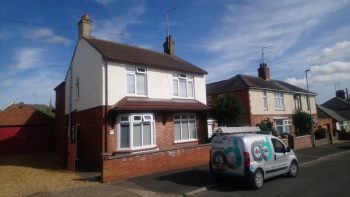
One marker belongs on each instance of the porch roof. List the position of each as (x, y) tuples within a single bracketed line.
[(151, 104)]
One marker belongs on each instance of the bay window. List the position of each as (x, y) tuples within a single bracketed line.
[(185, 127), (283, 126), (136, 131)]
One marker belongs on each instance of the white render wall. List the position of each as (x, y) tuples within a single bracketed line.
[(87, 64), (159, 83), (257, 105)]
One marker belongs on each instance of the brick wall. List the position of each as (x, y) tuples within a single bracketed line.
[(302, 142), (122, 167), (90, 139), (60, 132)]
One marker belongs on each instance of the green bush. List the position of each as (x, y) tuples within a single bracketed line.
[(267, 125), (320, 133), (302, 122), (229, 111)]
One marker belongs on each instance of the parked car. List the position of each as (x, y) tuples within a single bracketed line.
[(254, 157)]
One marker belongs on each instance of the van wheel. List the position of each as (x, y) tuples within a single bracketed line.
[(258, 179), (293, 169)]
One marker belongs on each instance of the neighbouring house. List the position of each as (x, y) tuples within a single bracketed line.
[(130, 111), (264, 98), (25, 128), (324, 115), (341, 107)]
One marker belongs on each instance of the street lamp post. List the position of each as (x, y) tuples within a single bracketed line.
[(307, 88)]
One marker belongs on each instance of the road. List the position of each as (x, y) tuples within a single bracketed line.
[(327, 177)]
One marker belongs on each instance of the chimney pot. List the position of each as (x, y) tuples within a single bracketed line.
[(340, 94)]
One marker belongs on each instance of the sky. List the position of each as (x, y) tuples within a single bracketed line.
[(38, 37)]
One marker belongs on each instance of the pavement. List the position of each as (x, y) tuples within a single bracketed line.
[(185, 182)]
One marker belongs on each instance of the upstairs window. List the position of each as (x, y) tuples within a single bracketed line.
[(279, 101), (297, 101), (183, 85), (264, 98), (136, 81)]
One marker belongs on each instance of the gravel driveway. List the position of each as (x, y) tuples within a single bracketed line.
[(25, 174)]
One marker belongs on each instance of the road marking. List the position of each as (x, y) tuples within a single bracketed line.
[(323, 158)]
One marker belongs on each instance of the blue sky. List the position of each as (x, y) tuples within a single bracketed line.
[(37, 39)]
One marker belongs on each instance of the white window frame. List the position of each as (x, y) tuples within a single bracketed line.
[(188, 79), (147, 117), (279, 101), (189, 117), (264, 98), (136, 71), (285, 123)]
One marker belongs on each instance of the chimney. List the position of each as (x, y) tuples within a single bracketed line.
[(264, 71), (169, 46), (84, 27), (340, 94)]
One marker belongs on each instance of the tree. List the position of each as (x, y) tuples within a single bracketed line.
[(302, 122), (267, 125), (228, 111)]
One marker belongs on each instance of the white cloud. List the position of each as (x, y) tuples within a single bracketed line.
[(339, 51), (247, 27), (115, 28), (336, 71), (47, 35), (27, 58)]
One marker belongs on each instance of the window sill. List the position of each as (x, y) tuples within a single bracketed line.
[(185, 141), (136, 150), (136, 95), (180, 97), (279, 109)]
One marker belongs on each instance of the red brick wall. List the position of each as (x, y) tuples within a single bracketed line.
[(60, 132), (118, 168), (90, 142), (22, 114), (302, 142)]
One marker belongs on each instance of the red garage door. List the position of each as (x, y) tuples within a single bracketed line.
[(24, 139)]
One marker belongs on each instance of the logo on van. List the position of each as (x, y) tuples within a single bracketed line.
[(233, 158), (261, 150)]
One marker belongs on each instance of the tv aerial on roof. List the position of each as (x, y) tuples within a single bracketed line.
[(262, 59), (167, 18)]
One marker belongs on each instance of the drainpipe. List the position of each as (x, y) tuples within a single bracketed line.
[(105, 145), (70, 102)]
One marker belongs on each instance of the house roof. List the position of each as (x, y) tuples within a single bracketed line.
[(148, 104), (246, 81), (133, 55), (330, 113), (338, 105)]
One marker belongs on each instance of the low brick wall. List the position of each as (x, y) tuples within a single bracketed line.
[(122, 167), (302, 142)]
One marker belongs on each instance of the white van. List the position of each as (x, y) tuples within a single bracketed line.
[(254, 157)]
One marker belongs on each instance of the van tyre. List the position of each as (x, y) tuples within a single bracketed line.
[(293, 169), (258, 179)]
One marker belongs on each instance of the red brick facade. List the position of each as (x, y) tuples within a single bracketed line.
[(117, 168)]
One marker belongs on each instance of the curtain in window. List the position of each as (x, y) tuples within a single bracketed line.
[(131, 83), (141, 85)]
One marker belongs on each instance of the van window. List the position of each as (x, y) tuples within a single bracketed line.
[(278, 146)]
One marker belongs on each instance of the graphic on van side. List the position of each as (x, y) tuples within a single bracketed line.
[(233, 155), (261, 150)]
